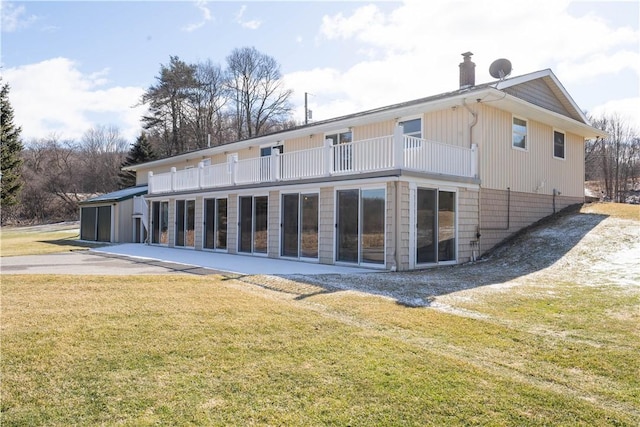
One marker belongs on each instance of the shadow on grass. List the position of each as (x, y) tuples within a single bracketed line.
[(527, 251), (75, 243)]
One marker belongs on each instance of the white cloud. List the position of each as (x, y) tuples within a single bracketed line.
[(206, 17), (414, 50), (627, 109), (253, 24), (55, 97), (14, 17)]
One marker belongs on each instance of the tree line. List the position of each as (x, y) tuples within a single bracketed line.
[(612, 164)]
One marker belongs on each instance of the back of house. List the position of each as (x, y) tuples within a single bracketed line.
[(433, 181)]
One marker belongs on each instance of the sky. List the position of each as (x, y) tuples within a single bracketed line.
[(77, 65)]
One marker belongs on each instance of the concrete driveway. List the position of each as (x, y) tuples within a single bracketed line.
[(129, 259)]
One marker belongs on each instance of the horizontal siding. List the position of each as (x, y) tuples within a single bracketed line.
[(467, 223), (326, 226), (538, 93), (525, 209)]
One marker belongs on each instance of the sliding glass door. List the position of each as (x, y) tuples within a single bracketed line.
[(185, 223), (360, 226), (160, 223), (299, 226), (252, 235), (435, 226), (215, 224)]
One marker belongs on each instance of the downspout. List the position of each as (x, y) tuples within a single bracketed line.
[(396, 250), (475, 244)]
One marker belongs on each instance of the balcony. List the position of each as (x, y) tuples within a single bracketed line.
[(394, 152)]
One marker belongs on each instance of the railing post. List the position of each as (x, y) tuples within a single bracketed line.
[(200, 174), (398, 147), (275, 164), (328, 158), (234, 169), (474, 160), (173, 179), (150, 182)]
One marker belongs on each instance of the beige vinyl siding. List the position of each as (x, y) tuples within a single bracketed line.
[(304, 143), (326, 226), (232, 223), (199, 222), (124, 221), (450, 126), (373, 130), (533, 170), (404, 216), (273, 225)]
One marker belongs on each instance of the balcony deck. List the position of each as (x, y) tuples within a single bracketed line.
[(399, 152)]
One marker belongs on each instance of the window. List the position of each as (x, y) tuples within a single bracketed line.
[(558, 144), (519, 128), (413, 129), (266, 151), (342, 150)]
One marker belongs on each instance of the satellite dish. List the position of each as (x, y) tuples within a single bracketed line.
[(500, 68)]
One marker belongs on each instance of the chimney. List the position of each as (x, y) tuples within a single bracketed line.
[(467, 71)]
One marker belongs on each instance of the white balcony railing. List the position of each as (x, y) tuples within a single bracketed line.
[(396, 151)]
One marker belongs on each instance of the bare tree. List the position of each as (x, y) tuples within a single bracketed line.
[(209, 121), (102, 152), (257, 92), (614, 161)]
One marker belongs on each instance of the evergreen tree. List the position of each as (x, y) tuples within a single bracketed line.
[(140, 152), (11, 149)]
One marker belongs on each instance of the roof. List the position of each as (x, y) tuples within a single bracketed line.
[(501, 94), (117, 196)]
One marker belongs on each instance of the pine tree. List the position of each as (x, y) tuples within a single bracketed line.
[(140, 152), (11, 149)]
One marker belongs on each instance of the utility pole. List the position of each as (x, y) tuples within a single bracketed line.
[(306, 110)]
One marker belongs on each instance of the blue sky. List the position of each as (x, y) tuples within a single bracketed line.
[(77, 64)]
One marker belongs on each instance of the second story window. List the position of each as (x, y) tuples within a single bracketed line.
[(412, 128), (558, 144), (519, 130), (266, 151)]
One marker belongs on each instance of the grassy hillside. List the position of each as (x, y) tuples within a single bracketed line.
[(543, 333)]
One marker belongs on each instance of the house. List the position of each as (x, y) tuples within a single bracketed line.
[(117, 217), (433, 181)]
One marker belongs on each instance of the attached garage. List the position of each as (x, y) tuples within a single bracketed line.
[(112, 218)]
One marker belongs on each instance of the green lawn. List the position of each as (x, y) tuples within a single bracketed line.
[(214, 350), (38, 240)]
